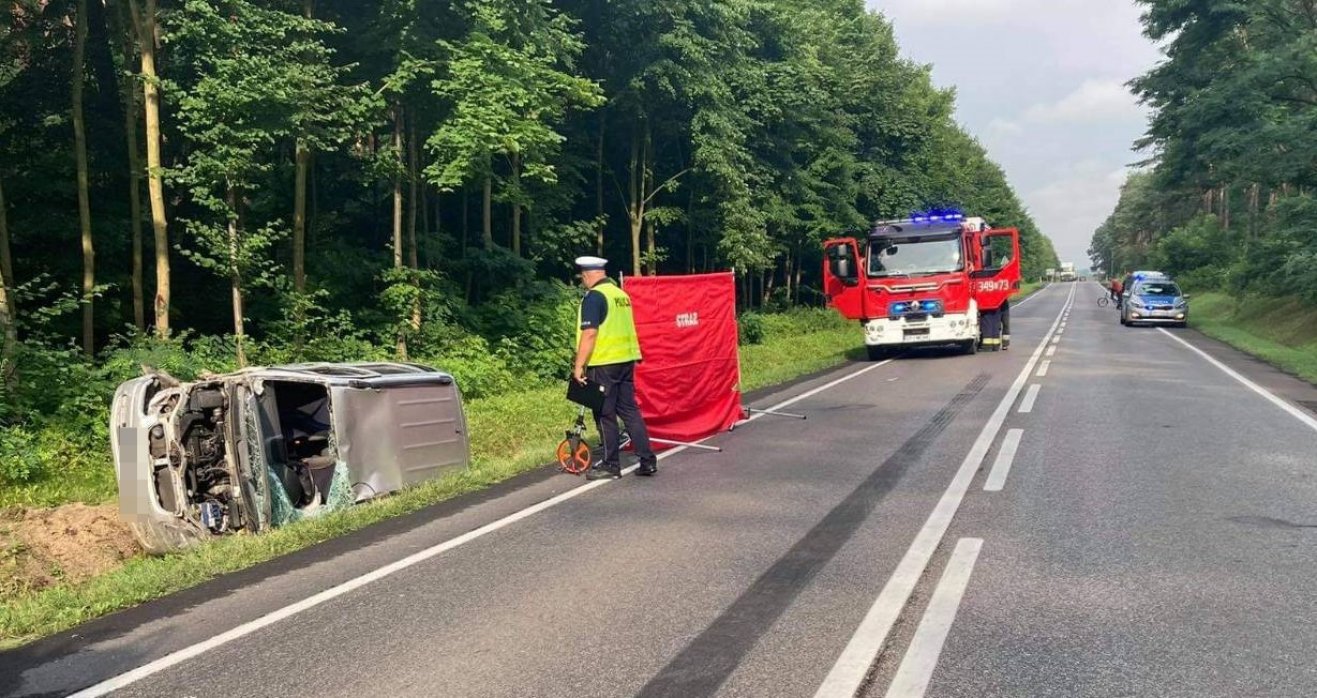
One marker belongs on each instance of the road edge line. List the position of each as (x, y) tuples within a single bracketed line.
[(177, 657), (1267, 394)]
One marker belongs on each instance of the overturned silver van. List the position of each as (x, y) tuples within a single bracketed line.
[(256, 449)]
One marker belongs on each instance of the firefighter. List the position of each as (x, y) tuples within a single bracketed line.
[(607, 350)]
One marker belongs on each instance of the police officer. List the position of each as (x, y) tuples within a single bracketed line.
[(607, 350)]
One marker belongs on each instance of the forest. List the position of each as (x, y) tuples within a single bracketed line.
[(1225, 199), (204, 184)]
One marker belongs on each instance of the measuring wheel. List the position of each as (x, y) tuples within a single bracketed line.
[(574, 452)]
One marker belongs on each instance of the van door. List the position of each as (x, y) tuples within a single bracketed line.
[(843, 274)]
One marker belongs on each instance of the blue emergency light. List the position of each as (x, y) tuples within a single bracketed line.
[(929, 307), (937, 216)]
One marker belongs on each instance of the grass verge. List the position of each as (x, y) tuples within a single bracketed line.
[(511, 434), (1282, 332)]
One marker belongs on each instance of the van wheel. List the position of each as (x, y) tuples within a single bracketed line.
[(876, 353)]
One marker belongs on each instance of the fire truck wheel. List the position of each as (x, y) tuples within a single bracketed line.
[(969, 347)]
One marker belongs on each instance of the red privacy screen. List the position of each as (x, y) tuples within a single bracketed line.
[(687, 383)]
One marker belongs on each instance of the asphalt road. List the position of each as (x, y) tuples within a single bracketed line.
[(1154, 535)]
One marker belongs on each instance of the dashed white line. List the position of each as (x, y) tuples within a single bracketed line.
[(1005, 458), (1051, 351), (851, 668), (1042, 370), (916, 669), (1026, 405), (1056, 339)]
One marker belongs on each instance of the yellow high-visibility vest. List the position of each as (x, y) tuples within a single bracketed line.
[(617, 342)]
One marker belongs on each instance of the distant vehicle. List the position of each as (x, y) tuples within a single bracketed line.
[(1068, 272), (933, 279), (1155, 301), (252, 450)]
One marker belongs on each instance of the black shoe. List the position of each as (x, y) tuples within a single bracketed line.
[(602, 474), (647, 470)]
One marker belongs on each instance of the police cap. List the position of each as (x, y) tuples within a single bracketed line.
[(591, 263)]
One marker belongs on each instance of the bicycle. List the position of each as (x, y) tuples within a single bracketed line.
[(1104, 302)]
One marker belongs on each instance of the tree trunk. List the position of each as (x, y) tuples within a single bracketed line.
[(516, 205), (651, 267), (487, 229), (303, 165), (397, 187), (636, 206), (235, 278), (145, 24), (413, 254), (599, 186), (690, 232), (413, 198), (1225, 208), (84, 198), (795, 294), (130, 113), (397, 210), (8, 314)]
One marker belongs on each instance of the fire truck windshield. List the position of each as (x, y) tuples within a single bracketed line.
[(911, 258)]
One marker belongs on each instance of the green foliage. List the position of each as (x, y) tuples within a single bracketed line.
[(1226, 202), (19, 460), (734, 133), (751, 328)]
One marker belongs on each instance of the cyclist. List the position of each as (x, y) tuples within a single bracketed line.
[(1117, 288)]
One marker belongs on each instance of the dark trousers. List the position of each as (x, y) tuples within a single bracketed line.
[(619, 382)]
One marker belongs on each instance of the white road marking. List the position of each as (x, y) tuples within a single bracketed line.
[(1051, 351), (1271, 397), (174, 658), (916, 669), (1032, 296), (851, 668), (1005, 459), (1042, 370), (1056, 339), (1026, 405)]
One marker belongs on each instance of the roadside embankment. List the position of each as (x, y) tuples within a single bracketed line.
[(1280, 331), (511, 433)]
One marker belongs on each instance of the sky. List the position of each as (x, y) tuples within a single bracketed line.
[(1041, 83)]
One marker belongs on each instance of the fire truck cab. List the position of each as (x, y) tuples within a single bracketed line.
[(933, 279)]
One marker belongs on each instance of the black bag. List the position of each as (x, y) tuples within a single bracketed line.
[(589, 394)]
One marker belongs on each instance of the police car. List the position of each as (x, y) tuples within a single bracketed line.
[(1154, 298)]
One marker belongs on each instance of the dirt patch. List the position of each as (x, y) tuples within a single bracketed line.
[(69, 543)]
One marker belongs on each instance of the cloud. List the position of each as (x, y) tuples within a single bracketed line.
[(1074, 204), (1095, 100)]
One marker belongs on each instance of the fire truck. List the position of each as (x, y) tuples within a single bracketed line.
[(938, 278)]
